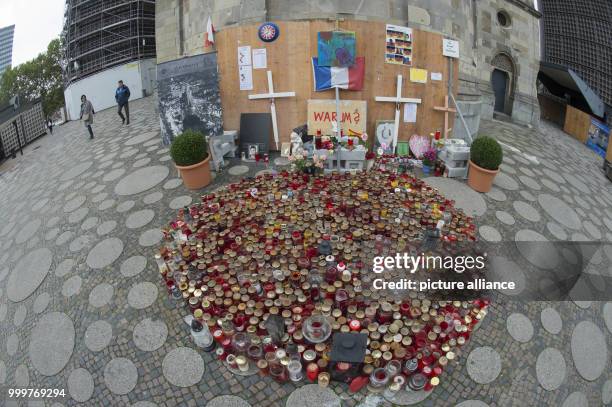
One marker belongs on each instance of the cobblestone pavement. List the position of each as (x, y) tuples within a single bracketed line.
[(82, 307)]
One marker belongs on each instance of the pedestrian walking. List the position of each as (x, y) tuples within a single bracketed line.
[(87, 114), (50, 125), (122, 95)]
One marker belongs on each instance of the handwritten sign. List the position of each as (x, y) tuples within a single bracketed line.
[(450, 48), (322, 112)]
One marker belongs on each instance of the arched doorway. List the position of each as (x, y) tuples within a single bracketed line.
[(502, 82)]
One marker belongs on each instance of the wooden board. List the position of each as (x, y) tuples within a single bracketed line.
[(289, 59), (577, 124), (321, 113)]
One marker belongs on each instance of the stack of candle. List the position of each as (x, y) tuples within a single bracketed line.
[(274, 265)]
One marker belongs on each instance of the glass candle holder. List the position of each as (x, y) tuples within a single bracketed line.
[(312, 371), (294, 369), (278, 372), (316, 329), (378, 380), (255, 352), (323, 379), (243, 363), (241, 342)]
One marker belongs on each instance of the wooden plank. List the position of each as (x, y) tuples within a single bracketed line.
[(577, 124), (289, 59)]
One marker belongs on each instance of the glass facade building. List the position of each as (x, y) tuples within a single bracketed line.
[(6, 47)]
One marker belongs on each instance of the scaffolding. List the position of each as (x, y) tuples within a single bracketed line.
[(577, 35), (99, 34)]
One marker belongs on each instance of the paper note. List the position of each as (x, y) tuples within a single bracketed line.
[(410, 112), (246, 77), (418, 75), (244, 55), (436, 76), (260, 60)]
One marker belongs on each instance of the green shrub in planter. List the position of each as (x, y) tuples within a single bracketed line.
[(486, 153), (189, 148)]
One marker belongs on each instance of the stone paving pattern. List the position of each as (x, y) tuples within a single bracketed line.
[(82, 307)]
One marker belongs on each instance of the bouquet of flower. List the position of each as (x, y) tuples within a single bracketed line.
[(302, 163), (429, 157), (370, 155)]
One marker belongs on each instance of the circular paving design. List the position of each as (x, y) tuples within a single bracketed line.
[(75, 171), (28, 274), (139, 219), (98, 335), (150, 335), (120, 375), (551, 320), (519, 327), (133, 266), (41, 302), (313, 395), (589, 350), (142, 295), (104, 253), (183, 367), (483, 364), (550, 369), (559, 211), (80, 385), (141, 180), (51, 343), (101, 295)]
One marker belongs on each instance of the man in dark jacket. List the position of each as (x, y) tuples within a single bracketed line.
[(122, 95)]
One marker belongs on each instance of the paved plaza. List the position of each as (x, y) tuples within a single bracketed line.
[(82, 307)]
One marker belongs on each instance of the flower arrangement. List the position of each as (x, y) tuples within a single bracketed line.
[(302, 163), (370, 155), (429, 157)]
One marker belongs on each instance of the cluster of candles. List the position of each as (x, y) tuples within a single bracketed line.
[(274, 265)]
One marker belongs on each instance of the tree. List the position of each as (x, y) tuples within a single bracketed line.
[(40, 77)]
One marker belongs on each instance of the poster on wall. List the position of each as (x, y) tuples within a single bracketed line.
[(260, 58), (322, 112), (450, 48), (384, 136), (336, 48), (245, 74), (244, 55), (189, 97), (399, 45), (599, 137)]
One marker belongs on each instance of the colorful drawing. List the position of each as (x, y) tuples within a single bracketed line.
[(336, 48), (268, 32), (399, 45)]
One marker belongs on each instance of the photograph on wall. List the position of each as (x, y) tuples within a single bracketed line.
[(384, 136), (189, 97), (399, 45), (336, 48)]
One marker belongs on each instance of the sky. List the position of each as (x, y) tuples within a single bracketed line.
[(37, 22)]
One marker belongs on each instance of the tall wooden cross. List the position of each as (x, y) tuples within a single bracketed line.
[(271, 95), (446, 109), (398, 100)]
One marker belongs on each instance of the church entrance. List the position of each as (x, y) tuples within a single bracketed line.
[(499, 81), (502, 82)]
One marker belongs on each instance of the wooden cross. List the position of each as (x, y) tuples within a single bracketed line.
[(398, 100), (271, 95), (446, 109)]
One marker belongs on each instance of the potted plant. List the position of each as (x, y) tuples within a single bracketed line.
[(429, 160), (190, 154), (486, 156)]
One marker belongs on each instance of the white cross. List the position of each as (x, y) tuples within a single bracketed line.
[(271, 95), (398, 100)]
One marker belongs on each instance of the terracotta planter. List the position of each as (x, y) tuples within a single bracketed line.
[(480, 179), (196, 176)]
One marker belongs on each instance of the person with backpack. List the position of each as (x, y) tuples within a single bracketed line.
[(87, 113), (122, 95)]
